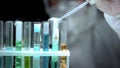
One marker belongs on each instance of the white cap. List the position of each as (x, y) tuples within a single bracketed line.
[(18, 25), (46, 28)]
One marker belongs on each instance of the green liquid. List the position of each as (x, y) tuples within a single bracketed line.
[(18, 59), (54, 63), (27, 62)]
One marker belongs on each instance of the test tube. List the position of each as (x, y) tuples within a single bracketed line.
[(55, 41), (1, 43), (63, 43), (37, 41), (19, 31), (63, 59), (45, 43), (9, 42), (27, 42)]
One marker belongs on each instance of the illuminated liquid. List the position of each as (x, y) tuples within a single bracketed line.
[(27, 62), (37, 36), (63, 58), (46, 48), (36, 59), (54, 63), (26, 58), (36, 62), (18, 59), (27, 42), (55, 43), (46, 42)]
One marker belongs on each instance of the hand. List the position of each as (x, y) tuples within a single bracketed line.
[(111, 7)]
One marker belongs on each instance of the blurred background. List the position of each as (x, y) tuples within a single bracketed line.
[(91, 41)]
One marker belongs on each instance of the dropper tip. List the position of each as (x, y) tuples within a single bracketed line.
[(54, 19)]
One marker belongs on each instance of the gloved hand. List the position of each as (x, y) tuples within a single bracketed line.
[(111, 7), (114, 22)]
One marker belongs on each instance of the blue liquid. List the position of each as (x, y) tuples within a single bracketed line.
[(46, 42), (36, 59), (36, 62), (36, 47), (1, 62), (45, 62), (46, 48)]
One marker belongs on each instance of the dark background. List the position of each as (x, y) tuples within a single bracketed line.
[(25, 10)]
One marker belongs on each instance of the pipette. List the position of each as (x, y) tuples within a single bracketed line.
[(76, 9)]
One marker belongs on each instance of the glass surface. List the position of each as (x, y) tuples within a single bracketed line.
[(9, 43), (27, 42)]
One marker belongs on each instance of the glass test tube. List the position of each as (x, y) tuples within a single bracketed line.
[(63, 62), (55, 41), (9, 43), (19, 31), (27, 42), (45, 43), (63, 43), (37, 37), (1, 43)]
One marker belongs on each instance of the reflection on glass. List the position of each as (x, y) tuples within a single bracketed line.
[(9, 42), (45, 43), (27, 42), (37, 36), (1, 43), (19, 31)]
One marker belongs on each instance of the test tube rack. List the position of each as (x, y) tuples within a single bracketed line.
[(31, 52)]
